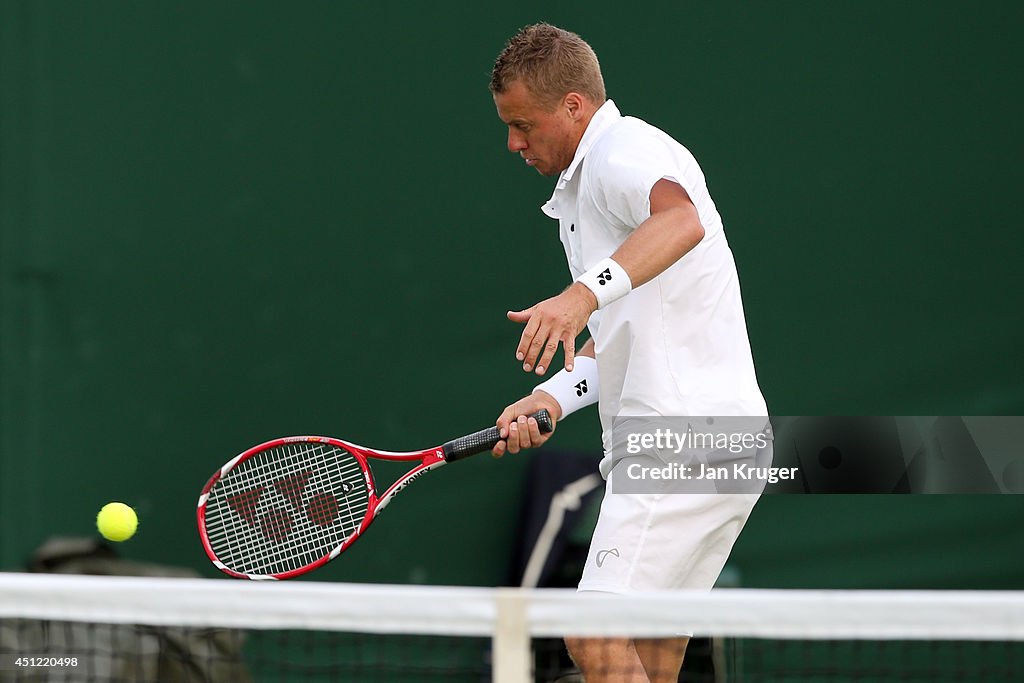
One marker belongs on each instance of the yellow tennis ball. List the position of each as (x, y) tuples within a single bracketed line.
[(117, 522)]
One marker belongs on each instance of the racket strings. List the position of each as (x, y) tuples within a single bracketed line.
[(286, 507)]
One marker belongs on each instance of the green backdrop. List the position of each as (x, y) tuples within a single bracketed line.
[(225, 223)]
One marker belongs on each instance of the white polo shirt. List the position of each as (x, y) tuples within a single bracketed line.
[(677, 345)]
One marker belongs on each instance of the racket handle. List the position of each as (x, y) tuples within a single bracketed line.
[(486, 439)]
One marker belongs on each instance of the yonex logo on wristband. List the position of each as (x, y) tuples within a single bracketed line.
[(607, 280), (576, 389)]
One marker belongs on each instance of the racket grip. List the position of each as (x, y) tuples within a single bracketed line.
[(486, 439)]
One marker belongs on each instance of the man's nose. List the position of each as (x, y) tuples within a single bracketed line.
[(516, 141)]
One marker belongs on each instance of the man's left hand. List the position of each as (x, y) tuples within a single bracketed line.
[(554, 321)]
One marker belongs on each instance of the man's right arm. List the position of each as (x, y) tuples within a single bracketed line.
[(517, 430)]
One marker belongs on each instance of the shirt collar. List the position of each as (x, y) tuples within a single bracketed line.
[(603, 118), (606, 115)]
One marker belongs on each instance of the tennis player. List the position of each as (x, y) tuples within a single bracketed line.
[(655, 282)]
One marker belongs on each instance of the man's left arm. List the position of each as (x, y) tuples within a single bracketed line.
[(671, 231), (669, 234)]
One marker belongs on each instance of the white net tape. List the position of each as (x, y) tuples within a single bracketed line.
[(512, 617)]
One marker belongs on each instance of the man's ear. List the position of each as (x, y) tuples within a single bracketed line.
[(574, 105)]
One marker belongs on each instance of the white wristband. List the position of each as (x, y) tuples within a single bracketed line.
[(576, 389), (607, 280)]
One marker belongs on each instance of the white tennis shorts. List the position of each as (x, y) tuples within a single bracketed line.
[(663, 541)]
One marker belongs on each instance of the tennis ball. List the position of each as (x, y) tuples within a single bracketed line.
[(117, 522)]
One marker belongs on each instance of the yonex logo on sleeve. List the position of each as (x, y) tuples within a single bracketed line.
[(581, 388)]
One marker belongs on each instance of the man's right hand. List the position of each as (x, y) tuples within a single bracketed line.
[(518, 430)]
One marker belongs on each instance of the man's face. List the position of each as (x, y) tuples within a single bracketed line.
[(545, 139)]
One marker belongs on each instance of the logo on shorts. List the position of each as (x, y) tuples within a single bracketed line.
[(603, 555)]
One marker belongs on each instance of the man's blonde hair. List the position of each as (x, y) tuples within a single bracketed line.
[(551, 63)]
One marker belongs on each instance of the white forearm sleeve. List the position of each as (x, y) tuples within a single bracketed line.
[(576, 389)]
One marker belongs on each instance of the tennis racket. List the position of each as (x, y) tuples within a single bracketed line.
[(290, 505)]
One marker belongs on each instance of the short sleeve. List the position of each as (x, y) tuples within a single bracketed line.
[(623, 182)]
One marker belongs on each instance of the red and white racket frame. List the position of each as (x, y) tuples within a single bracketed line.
[(429, 460)]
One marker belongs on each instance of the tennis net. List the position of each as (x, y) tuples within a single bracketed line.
[(126, 629)]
